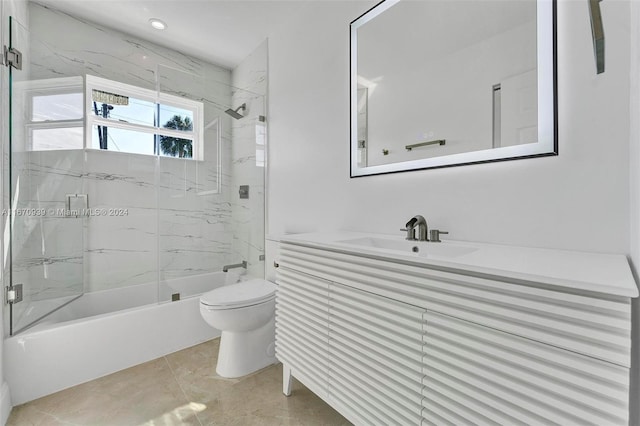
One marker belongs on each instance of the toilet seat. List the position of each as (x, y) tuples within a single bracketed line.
[(239, 295)]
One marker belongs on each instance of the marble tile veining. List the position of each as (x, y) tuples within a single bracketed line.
[(179, 389)]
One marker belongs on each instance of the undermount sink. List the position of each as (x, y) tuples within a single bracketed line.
[(418, 248)]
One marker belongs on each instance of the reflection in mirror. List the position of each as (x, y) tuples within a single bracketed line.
[(444, 83), (362, 126)]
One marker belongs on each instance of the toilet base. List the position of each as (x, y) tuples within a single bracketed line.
[(243, 353)]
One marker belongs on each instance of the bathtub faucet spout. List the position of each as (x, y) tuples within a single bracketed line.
[(226, 268)]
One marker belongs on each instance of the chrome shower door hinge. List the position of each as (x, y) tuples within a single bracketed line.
[(13, 294), (12, 58)]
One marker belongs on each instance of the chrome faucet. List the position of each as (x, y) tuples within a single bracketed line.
[(226, 268), (410, 227)]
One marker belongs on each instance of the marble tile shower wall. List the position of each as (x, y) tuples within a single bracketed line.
[(47, 250), (195, 224), (176, 219)]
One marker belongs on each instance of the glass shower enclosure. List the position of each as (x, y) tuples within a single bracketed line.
[(123, 169), (55, 280)]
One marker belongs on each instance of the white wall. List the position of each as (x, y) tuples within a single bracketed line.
[(578, 200)]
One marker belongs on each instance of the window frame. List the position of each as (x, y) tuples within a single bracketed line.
[(49, 87), (158, 98)]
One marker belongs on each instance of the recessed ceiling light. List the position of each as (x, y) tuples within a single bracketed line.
[(157, 24)]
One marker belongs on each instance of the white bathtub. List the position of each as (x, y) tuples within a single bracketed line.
[(103, 332)]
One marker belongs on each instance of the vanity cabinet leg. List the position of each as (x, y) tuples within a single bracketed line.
[(287, 379)]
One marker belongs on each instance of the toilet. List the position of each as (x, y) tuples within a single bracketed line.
[(245, 313)]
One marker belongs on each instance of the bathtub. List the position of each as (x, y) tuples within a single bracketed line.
[(106, 331)]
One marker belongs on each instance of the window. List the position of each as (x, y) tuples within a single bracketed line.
[(126, 118), (53, 113)]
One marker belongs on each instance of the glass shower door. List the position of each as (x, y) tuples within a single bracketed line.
[(193, 210), (211, 200), (47, 207)]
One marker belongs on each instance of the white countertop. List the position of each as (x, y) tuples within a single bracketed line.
[(592, 272)]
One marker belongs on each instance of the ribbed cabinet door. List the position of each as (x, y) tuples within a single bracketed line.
[(479, 375), (302, 327), (375, 355)]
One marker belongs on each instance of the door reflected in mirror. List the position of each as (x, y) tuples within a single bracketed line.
[(442, 83)]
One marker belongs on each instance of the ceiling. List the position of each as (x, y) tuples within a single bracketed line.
[(223, 32)]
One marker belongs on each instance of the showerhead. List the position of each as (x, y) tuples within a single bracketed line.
[(235, 114)]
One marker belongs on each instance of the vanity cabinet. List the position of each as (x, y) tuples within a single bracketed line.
[(387, 342)]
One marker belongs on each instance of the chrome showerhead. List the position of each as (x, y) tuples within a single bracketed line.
[(234, 112)]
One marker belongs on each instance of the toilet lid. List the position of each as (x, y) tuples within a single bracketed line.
[(241, 294)]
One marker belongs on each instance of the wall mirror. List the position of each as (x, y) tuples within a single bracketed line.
[(442, 83)]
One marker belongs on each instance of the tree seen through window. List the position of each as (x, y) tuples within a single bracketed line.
[(177, 147)]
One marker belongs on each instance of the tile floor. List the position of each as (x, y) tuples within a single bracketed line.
[(179, 389)]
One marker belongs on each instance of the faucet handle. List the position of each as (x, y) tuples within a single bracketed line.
[(434, 235), (411, 233)]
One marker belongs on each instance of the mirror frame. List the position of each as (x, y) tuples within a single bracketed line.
[(547, 144)]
